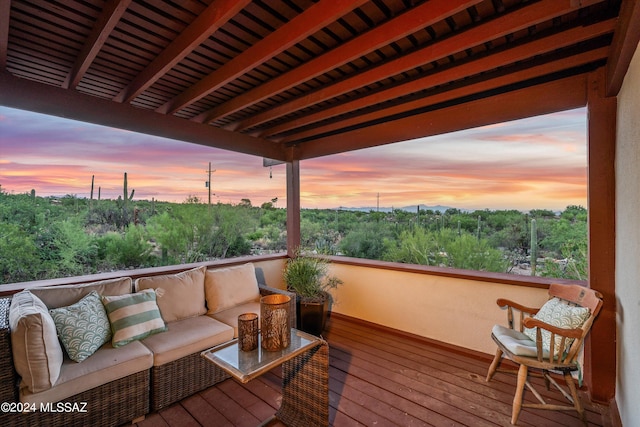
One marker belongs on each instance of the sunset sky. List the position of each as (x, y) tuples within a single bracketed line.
[(536, 163)]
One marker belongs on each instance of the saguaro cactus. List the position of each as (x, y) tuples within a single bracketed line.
[(91, 195), (126, 198), (534, 246)]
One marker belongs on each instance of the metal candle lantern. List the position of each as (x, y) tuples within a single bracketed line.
[(274, 320), (248, 331)]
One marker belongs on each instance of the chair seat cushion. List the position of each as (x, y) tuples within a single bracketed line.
[(516, 342)]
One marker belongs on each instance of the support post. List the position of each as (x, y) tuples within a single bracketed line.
[(600, 347), (293, 207)]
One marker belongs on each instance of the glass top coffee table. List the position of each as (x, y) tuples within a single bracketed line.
[(305, 375)]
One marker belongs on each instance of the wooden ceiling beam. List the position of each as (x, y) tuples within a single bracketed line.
[(401, 26), (106, 22), (567, 93), (308, 22), (522, 18), (624, 44), (474, 87), (207, 23), (5, 14), (487, 63), (70, 104)]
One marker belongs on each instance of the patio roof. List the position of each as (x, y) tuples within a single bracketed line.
[(295, 79)]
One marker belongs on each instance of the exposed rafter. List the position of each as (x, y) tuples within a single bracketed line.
[(494, 109), (422, 16), (484, 64), (207, 23), (108, 19), (282, 76), (307, 23), (5, 12), (503, 25), (460, 91), (625, 43)]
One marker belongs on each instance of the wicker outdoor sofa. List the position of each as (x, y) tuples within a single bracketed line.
[(165, 367)]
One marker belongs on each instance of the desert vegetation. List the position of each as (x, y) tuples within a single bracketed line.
[(49, 237)]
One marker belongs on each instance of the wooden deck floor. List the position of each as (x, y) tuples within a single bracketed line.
[(379, 378)]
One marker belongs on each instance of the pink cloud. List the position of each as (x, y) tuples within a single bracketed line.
[(535, 163)]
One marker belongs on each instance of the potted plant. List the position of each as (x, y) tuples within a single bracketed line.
[(308, 277)]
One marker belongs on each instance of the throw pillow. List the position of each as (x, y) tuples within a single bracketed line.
[(82, 327), (133, 316), (228, 287), (37, 354), (560, 314), (180, 295)]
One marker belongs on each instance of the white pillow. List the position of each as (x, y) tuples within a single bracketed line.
[(37, 353), (225, 288), (560, 314), (179, 296)]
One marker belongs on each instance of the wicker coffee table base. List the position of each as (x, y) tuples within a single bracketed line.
[(305, 389)]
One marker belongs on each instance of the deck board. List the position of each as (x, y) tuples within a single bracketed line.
[(381, 378)]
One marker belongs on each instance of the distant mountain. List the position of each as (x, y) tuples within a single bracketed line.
[(411, 208)]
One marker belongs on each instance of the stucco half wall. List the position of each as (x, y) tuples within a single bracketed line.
[(455, 311)]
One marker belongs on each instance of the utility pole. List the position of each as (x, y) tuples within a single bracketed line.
[(208, 183)]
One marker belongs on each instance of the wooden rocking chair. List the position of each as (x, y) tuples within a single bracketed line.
[(560, 328)]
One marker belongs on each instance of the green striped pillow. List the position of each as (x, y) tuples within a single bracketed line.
[(133, 316)]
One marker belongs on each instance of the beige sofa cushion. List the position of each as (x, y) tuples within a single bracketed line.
[(180, 296), (65, 295), (105, 365), (230, 316), (37, 353), (228, 287), (185, 337)]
